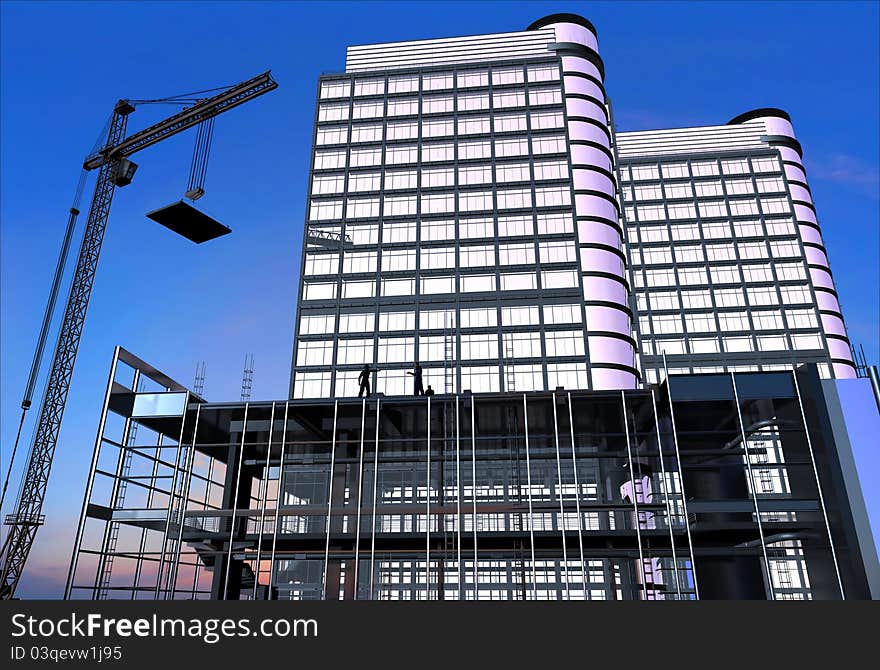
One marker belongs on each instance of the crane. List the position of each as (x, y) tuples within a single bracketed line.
[(114, 169)]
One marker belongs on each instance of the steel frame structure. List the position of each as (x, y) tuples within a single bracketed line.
[(372, 499)]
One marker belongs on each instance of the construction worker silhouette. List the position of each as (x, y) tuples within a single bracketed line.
[(429, 390), (418, 389), (364, 381)]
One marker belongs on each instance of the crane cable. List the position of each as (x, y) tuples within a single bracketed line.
[(44, 330)]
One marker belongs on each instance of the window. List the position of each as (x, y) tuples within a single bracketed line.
[(367, 132), (318, 324), (562, 314), (391, 321), (333, 112), (335, 89), (480, 379), (369, 87), (707, 345), (735, 344), (437, 128), (332, 136), (801, 318), (762, 295), (366, 157), (812, 341), (504, 99), (398, 260), (554, 223), (735, 166), (557, 252), (471, 78), (543, 72), (704, 168), (768, 164), (397, 155), (729, 297), (358, 289), (403, 84), (437, 104), (542, 120), (322, 264), (779, 227), (700, 323), (545, 96), (511, 147), (739, 186), (403, 130), (696, 299), (400, 231), (312, 385), (515, 198), (373, 109), (474, 125), (648, 192), (362, 208), (519, 316), (436, 319), (681, 190), (477, 256), (771, 185), (743, 207), (564, 343), (725, 274), (783, 249), (651, 213), (438, 152), (433, 348), (559, 279), (325, 210), (528, 377), (657, 256), (319, 290), (522, 345), (475, 228), (690, 276), (720, 252), (434, 177), (474, 283), (364, 181), (713, 209), (396, 349), (434, 82), (473, 101), (660, 278), (748, 229), (399, 179), (483, 317), (438, 203), (508, 123), (431, 285), (438, 230), (708, 189), (469, 201), (674, 170), (479, 346), (771, 320), (510, 172), (645, 172), (507, 75), (398, 287), (353, 352), (689, 254), (400, 205), (790, 271), (775, 205), (324, 185), (475, 174), (772, 343), (795, 294), (552, 196), (664, 300), (357, 323), (654, 233), (362, 233), (474, 149), (519, 281), (734, 321), (663, 324), (548, 145), (329, 160), (434, 258)]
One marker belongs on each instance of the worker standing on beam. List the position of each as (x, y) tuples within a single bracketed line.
[(418, 388), (364, 381)]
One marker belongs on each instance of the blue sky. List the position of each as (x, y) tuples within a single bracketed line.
[(173, 303)]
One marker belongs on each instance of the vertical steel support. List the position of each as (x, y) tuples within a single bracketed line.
[(745, 444), (474, 495), (329, 497), (375, 488), (235, 502), (190, 459), (278, 498), (687, 519), (577, 499), (263, 504), (360, 495), (428, 511), (664, 491), (797, 389), (531, 512), (458, 488), (632, 481), (560, 490), (77, 542)]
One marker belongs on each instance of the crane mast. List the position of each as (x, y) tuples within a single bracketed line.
[(28, 517)]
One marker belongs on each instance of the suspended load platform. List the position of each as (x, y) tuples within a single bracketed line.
[(186, 220)]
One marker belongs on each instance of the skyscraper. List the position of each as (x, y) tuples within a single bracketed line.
[(467, 203)]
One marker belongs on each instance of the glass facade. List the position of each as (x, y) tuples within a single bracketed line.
[(707, 486)]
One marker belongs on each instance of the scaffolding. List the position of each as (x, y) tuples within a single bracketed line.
[(566, 495)]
